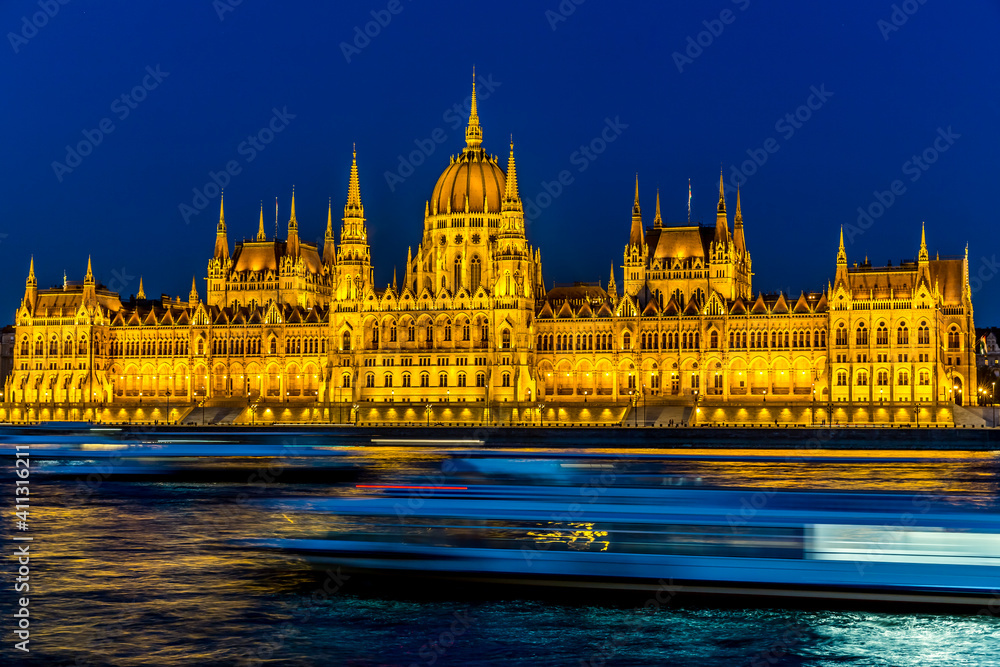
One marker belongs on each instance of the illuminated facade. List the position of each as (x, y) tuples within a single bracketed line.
[(285, 322)]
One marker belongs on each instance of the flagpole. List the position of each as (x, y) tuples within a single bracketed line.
[(689, 201)]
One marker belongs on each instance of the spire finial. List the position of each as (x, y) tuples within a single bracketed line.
[(261, 235), (31, 269), (923, 243), (473, 133), (222, 212), (89, 278), (193, 294), (142, 292), (635, 203), (841, 251), (657, 220), (739, 213)]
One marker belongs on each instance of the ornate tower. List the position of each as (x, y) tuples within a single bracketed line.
[(354, 272), (636, 251), (743, 276), (721, 251)]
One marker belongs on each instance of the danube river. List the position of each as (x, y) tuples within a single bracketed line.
[(152, 572)]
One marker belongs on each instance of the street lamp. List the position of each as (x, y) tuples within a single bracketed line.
[(541, 415), (631, 399), (993, 400), (427, 411)]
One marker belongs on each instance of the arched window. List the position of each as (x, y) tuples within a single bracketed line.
[(954, 338), (902, 335), (861, 337), (842, 334), (477, 273), (458, 272), (201, 347), (346, 381), (506, 380), (505, 339), (345, 341), (715, 340), (370, 380), (923, 334), (461, 379), (626, 341), (425, 380), (862, 379), (392, 333), (882, 334), (442, 379), (841, 378), (375, 335), (904, 379), (406, 379), (480, 379), (388, 379), (447, 330), (54, 347), (925, 378), (465, 331)]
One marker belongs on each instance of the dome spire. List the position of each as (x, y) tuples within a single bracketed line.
[(473, 133), (261, 234)]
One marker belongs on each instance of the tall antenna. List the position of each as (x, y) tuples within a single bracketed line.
[(689, 201), (276, 218)]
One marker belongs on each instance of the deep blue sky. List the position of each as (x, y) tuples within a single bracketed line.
[(555, 88)]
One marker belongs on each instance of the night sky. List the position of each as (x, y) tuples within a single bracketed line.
[(681, 88)]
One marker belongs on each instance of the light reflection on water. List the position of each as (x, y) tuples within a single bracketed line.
[(141, 574)]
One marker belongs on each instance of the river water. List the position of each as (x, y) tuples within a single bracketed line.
[(142, 573)]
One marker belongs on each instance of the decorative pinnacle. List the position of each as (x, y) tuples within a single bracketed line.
[(474, 132), (923, 243), (657, 220), (722, 194), (261, 235)]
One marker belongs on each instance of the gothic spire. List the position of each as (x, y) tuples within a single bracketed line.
[(193, 294), (261, 234), (31, 282), (293, 230), (221, 242), (142, 292), (612, 288), (721, 219), (841, 252), (473, 133), (511, 197), (636, 237), (923, 257), (353, 208), (329, 249), (89, 278), (657, 220), (738, 239)]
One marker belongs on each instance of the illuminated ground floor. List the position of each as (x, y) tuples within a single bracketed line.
[(650, 413)]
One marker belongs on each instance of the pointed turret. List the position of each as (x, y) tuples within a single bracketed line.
[(31, 284), (293, 230), (612, 287), (738, 239), (261, 234), (354, 211), (142, 292), (923, 256), (221, 242), (394, 288), (329, 248), (657, 220), (841, 251), (511, 196), (721, 219), (193, 294), (89, 285), (474, 132), (636, 237), (408, 276)]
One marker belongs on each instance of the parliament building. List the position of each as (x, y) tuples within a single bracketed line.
[(289, 331)]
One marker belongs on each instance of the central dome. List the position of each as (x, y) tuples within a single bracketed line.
[(475, 175)]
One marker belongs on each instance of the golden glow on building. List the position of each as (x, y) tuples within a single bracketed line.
[(290, 331)]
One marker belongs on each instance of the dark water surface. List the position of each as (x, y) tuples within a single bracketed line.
[(147, 574)]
